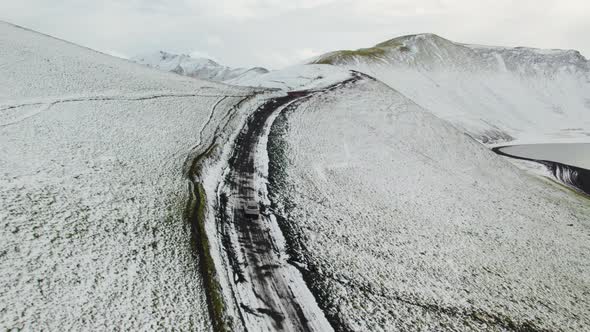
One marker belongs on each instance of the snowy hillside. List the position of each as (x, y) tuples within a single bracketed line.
[(298, 77), (195, 67), (92, 190), (402, 222), (317, 198), (494, 93)]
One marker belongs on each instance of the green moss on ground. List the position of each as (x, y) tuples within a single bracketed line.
[(392, 43), (196, 214), (215, 297), (372, 53), (346, 55), (565, 188)]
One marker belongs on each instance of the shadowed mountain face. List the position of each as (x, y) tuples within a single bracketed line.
[(203, 68), (493, 93)]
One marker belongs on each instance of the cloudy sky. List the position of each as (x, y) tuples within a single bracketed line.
[(276, 33)]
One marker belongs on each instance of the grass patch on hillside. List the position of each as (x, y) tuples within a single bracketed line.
[(566, 188), (372, 53), (196, 214), (215, 297), (392, 43), (347, 55)]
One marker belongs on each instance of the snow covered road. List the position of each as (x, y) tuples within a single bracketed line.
[(269, 292)]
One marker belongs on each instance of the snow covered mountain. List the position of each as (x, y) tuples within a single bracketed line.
[(93, 190), (298, 77), (495, 93), (137, 199), (402, 222), (195, 67)]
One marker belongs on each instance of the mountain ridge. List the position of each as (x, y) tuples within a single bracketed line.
[(496, 94), (197, 67), (412, 45)]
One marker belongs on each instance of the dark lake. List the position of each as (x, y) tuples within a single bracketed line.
[(568, 162)]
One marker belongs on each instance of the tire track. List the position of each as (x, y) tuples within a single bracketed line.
[(270, 293)]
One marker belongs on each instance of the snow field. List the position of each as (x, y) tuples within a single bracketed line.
[(93, 190), (454, 237), (496, 94)]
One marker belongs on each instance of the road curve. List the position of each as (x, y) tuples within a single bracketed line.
[(268, 292)]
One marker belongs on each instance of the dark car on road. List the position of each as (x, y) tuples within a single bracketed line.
[(251, 209)]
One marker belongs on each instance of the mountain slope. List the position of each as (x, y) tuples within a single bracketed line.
[(394, 217), (92, 188), (402, 222), (195, 67), (494, 93), (299, 77)]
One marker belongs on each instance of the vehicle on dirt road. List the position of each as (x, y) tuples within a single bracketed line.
[(251, 209)]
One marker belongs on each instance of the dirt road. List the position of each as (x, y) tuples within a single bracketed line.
[(268, 291)]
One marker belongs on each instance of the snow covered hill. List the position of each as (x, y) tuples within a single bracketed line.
[(396, 219), (402, 222), (195, 67), (298, 77), (92, 190), (496, 94)]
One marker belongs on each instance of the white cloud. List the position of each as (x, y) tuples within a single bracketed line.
[(275, 33), (252, 9), (284, 58)]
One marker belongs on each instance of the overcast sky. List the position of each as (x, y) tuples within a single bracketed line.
[(277, 33)]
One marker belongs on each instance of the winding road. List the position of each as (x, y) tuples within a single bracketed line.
[(269, 292)]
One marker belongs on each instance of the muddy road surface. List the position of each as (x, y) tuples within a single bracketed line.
[(269, 293)]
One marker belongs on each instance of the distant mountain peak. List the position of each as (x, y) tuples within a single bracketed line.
[(198, 67), (399, 41), (430, 51), (381, 51), (495, 93)]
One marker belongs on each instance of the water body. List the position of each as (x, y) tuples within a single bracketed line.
[(568, 162)]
